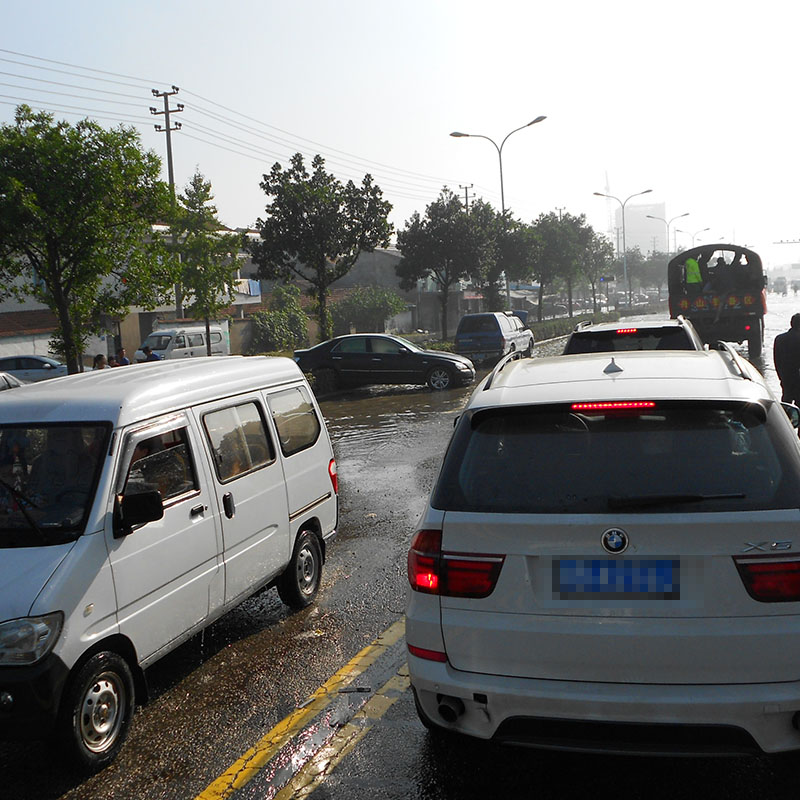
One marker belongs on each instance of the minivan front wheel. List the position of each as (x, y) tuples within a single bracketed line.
[(440, 378), (97, 710), (299, 583)]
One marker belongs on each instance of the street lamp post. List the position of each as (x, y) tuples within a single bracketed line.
[(622, 204), (667, 223), (459, 134), (693, 235)]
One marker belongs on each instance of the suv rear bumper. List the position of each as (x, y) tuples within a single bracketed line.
[(759, 714)]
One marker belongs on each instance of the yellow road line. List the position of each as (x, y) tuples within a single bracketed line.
[(247, 767), (345, 739)]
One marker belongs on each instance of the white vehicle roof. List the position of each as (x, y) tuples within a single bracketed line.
[(623, 375), (135, 393)]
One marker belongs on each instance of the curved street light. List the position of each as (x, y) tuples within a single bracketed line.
[(661, 219), (459, 134), (693, 235), (624, 246)]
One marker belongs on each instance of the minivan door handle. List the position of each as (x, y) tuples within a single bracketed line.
[(227, 504), (197, 511)]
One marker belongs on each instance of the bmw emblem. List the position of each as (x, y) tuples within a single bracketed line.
[(614, 541)]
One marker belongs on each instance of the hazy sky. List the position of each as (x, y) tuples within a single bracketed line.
[(697, 101)]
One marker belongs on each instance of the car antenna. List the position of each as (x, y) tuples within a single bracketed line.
[(612, 367)]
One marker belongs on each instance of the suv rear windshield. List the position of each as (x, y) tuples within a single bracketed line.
[(645, 339), (478, 323), (674, 457)]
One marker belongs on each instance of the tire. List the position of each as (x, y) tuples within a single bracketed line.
[(528, 351), (440, 378), (96, 711), (299, 583), (754, 341)]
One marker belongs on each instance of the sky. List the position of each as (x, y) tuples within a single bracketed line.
[(697, 101)]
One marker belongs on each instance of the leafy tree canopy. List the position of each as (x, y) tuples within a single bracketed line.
[(315, 227), (209, 262), (444, 245), (77, 203)]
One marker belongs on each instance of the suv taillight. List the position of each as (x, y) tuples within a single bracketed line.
[(432, 571), (770, 581)]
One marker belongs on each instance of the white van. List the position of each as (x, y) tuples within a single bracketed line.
[(137, 506), (184, 343)]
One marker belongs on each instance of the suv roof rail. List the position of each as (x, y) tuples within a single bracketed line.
[(727, 347), (499, 368), (584, 323)]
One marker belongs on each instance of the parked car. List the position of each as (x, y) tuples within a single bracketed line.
[(139, 505), (188, 342), (490, 336), (604, 337), (365, 358), (30, 369), (609, 560), (9, 381)]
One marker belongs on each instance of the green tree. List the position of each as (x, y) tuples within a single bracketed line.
[(315, 228), (654, 270), (209, 263), (77, 203), (490, 231), (443, 246), (367, 308), (597, 262)]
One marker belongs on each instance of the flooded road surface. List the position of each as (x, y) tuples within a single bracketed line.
[(336, 668)]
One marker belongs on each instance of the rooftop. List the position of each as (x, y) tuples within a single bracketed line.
[(624, 375), (142, 391)]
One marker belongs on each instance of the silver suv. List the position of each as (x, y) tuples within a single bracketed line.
[(606, 337), (610, 559)]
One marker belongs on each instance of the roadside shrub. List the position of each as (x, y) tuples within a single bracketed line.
[(366, 308), (283, 327), (551, 328)]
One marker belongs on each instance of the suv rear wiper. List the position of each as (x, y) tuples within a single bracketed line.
[(645, 500)]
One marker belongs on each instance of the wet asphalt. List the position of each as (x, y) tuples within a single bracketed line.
[(217, 695)]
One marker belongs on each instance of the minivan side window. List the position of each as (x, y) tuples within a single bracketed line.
[(164, 463), (215, 337), (180, 341), (239, 440), (195, 340), (295, 419)]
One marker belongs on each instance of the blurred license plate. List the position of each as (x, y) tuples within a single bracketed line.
[(616, 579)]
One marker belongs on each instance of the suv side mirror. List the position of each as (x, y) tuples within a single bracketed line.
[(137, 509)]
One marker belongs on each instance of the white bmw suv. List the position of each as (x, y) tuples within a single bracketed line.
[(610, 560)]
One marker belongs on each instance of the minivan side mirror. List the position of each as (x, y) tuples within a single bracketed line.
[(137, 509), (793, 412)]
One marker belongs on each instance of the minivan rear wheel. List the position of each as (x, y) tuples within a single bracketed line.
[(97, 710), (299, 583)]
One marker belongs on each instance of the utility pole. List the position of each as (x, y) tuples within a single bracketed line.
[(167, 128), (560, 211), (466, 195)]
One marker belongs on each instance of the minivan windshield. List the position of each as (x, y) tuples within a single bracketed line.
[(48, 475), (672, 457), (157, 341)]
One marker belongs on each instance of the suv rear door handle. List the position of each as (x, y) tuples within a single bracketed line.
[(228, 505)]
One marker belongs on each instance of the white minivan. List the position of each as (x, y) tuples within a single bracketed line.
[(137, 506), (188, 342)]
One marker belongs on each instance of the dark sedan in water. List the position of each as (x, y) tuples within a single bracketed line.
[(367, 358)]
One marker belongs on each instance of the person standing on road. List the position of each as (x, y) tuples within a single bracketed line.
[(786, 357), (122, 358)]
